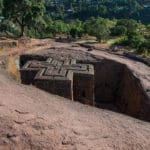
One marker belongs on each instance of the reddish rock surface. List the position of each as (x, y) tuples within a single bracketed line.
[(33, 119)]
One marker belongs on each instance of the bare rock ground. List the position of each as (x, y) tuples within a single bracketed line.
[(140, 70), (33, 119)]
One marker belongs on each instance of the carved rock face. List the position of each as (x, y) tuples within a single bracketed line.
[(108, 84), (64, 78)]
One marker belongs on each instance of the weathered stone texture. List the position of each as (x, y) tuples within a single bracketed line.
[(109, 84), (83, 86), (131, 97), (116, 84), (64, 78)]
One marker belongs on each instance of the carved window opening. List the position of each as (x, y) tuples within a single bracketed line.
[(83, 94)]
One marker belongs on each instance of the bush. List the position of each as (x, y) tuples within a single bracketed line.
[(8, 28), (118, 30), (135, 39), (144, 48), (6, 25), (32, 33), (73, 32), (122, 42)]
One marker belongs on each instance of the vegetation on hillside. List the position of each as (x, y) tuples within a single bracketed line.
[(45, 18), (24, 13), (83, 9)]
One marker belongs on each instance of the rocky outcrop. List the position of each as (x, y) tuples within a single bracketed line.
[(116, 84), (116, 87), (8, 43)]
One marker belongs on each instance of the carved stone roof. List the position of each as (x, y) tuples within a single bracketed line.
[(52, 69)]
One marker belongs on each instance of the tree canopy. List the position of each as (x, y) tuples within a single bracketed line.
[(23, 12), (103, 19), (1, 6), (84, 9)]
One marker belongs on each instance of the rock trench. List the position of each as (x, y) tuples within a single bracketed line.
[(115, 87)]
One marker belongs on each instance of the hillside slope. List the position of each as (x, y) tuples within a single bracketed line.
[(33, 119)]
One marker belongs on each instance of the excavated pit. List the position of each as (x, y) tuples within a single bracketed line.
[(115, 87)]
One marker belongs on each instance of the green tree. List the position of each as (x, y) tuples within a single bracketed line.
[(98, 27), (60, 27), (23, 12), (135, 39), (56, 27), (102, 10), (1, 4), (102, 33), (119, 30), (1, 7), (73, 32), (76, 28), (144, 48), (6, 26), (148, 26), (130, 24)]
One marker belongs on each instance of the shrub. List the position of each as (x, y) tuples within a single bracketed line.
[(118, 30), (144, 48), (135, 39), (73, 32)]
